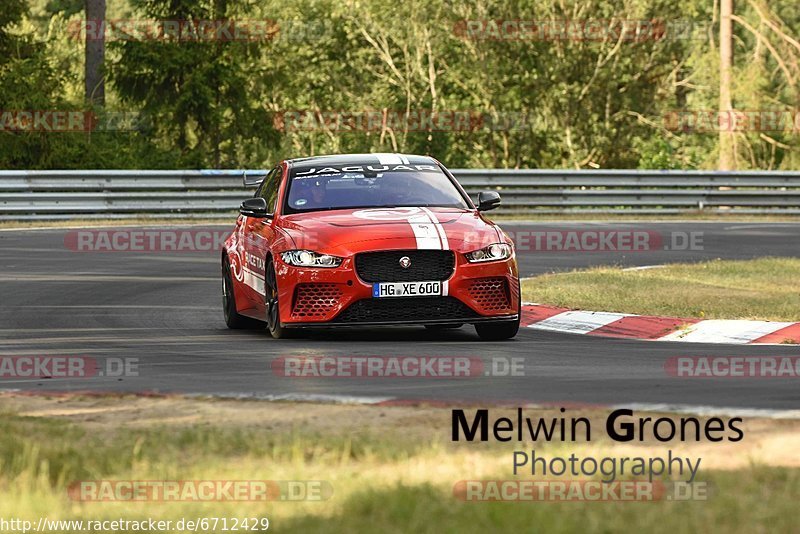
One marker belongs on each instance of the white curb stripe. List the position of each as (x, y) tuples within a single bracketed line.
[(578, 322), (725, 331)]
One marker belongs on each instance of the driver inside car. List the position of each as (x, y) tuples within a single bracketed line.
[(310, 194)]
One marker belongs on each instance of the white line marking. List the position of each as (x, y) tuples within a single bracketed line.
[(725, 411), (300, 397), (644, 267), (578, 322), (115, 306), (123, 224), (725, 331), (89, 277)]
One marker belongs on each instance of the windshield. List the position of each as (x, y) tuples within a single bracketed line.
[(330, 189)]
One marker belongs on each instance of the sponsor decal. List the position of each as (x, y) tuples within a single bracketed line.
[(314, 171)]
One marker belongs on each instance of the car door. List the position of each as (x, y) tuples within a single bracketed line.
[(259, 235)]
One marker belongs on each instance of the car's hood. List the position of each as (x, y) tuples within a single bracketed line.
[(345, 232)]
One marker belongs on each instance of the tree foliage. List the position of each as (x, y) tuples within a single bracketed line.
[(574, 103)]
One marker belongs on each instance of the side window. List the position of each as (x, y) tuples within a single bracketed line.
[(269, 188)]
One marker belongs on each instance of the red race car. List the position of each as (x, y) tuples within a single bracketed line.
[(368, 240)]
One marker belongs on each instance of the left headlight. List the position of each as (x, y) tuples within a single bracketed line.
[(308, 258), (494, 252)]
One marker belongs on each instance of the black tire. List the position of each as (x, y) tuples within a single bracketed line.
[(233, 319), (274, 325), (443, 326)]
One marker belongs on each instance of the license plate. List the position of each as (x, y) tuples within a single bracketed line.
[(406, 289)]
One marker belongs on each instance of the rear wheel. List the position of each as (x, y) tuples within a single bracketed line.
[(274, 325), (233, 319)]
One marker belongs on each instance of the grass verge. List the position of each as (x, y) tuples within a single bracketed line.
[(764, 288), (391, 469)]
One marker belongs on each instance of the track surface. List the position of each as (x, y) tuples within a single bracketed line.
[(164, 309)]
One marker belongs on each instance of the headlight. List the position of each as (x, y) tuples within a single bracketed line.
[(307, 258), (494, 252)]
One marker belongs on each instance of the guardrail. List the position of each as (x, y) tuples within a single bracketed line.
[(42, 195)]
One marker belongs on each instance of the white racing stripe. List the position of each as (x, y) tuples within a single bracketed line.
[(578, 322), (425, 232), (725, 331), (439, 228)]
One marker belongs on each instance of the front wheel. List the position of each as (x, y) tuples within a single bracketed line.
[(274, 325)]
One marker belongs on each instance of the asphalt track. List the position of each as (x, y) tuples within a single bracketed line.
[(164, 309)]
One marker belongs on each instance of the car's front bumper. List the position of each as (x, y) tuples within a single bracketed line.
[(475, 292)]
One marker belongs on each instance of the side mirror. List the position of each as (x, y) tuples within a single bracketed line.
[(254, 207), (488, 200)]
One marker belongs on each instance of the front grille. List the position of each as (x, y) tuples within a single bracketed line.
[(405, 309), (426, 265), (315, 300), (491, 294)]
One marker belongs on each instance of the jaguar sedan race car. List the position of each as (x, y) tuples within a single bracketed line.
[(368, 240)]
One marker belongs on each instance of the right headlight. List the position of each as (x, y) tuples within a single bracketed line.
[(494, 252), (309, 258)]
